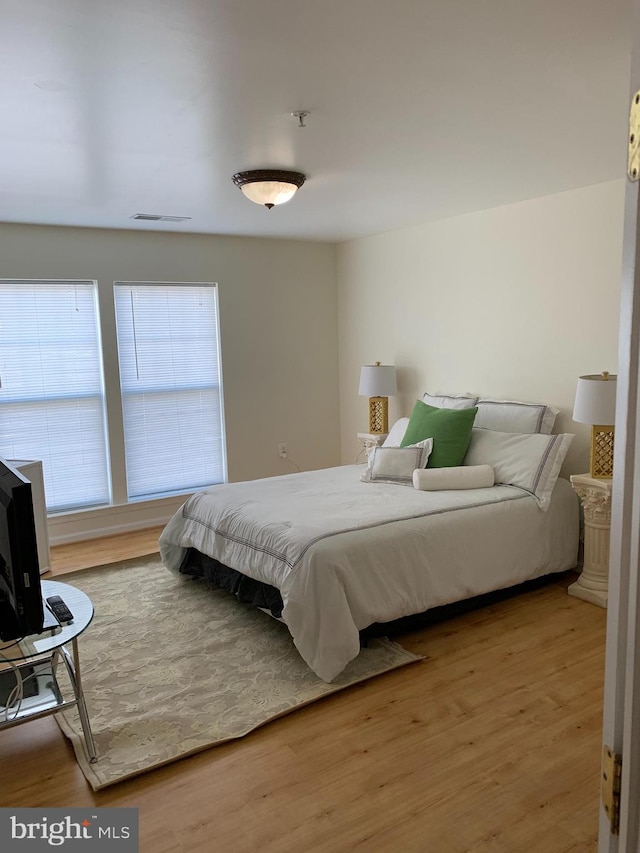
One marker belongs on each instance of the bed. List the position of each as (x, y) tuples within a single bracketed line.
[(344, 553)]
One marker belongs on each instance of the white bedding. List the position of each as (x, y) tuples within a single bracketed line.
[(345, 554)]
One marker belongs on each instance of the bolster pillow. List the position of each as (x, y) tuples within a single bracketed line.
[(461, 477)]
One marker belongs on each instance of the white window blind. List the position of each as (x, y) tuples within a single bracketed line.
[(51, 389), (168, 345)]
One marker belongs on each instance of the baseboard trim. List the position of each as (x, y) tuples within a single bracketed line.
[(111, 520)]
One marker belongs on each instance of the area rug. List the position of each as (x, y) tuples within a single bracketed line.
[(171, 667)]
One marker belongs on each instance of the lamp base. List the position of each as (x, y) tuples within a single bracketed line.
[(378, 415), (601, 461)]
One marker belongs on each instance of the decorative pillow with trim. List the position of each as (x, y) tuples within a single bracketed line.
[(528, 460), (449, 401), (450, 430), (512, 416), (396, 464)]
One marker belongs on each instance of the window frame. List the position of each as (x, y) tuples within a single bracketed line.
[(93, 286), (123, 513), (213, 286)]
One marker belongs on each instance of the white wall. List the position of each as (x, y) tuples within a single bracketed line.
[(511, 303), (514, 302), (278, 315)]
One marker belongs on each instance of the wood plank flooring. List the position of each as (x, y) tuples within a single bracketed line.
[(98, 552), (491, 743)]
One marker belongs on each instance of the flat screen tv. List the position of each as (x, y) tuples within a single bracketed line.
[(21, 610)]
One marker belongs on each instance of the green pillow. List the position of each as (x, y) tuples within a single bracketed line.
[(449, 428)]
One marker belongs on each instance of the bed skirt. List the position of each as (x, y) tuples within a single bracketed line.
[(245, 589), (257, 594)]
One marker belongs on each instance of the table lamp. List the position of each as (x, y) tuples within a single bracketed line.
[(595, 404), (378, 383)]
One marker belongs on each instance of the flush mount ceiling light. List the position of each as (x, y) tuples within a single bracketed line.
[(269, 186)]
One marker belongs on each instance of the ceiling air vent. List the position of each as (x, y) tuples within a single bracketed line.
[(157, 217)]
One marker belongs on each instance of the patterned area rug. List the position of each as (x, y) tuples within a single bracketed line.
[(171, 667)]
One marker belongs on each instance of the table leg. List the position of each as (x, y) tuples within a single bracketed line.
[(73, 668)]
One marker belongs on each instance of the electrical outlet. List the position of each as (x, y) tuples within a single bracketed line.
[(283, 450)]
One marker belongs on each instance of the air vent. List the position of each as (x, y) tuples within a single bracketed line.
[(157, 217)]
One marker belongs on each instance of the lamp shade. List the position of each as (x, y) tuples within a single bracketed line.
[(595, 401), (377, 380), (269, 192)]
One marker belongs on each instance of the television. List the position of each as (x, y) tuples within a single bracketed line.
[(21, 606)]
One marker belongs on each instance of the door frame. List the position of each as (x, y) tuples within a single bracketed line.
[(621, 718)]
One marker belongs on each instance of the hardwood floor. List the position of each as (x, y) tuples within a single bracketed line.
[(491, 743), (98, 552)]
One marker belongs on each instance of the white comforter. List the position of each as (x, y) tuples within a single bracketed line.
[(345, 554)]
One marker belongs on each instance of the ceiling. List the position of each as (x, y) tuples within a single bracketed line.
[(419, 109)]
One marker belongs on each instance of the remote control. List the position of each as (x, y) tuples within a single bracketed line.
[(59, 609)]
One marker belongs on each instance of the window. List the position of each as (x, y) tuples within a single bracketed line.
[(52, 403), (52, 389), (170, 383)]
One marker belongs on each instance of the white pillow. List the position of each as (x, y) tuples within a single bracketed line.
[(512, 416), (396, 464), (531, 462), (396, 433), (449, 401), (457, 477)]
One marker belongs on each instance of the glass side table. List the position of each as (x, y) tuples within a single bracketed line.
[(35, 660)]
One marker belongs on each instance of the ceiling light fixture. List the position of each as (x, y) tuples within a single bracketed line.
[(269, 186)]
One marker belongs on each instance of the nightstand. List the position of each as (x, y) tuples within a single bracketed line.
[(369, 440), (595, 495)]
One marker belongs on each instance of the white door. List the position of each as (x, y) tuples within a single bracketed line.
[(621, 725)]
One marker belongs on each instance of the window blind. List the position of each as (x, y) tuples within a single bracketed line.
[(51, 389), (168, 346)]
